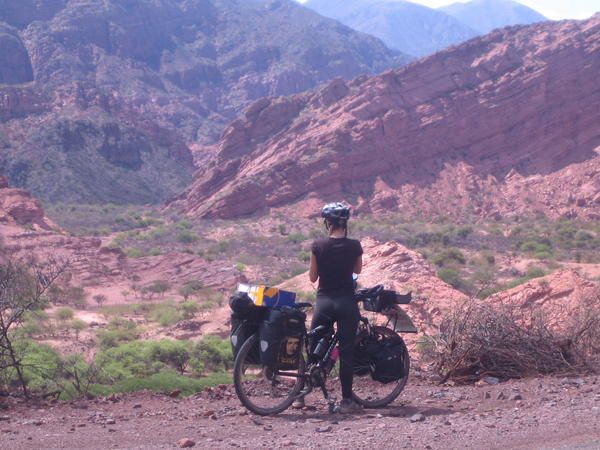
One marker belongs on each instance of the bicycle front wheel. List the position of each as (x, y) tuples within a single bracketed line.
[(374, 394), (262, 390)]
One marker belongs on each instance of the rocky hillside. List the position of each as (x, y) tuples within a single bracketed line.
[(105, 101), (486, 15), (514, 111), (406, 26), (18, 208)]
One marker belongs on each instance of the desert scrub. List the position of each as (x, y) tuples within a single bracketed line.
[(63, 314), (448, 257), (119, 330), (165, 314), (493, 339), (187, 237), (133, 252)]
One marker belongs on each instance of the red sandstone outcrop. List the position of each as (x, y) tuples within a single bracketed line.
[(559, 299), (17, 207), (403, 270), (108, 270), (506, 123)]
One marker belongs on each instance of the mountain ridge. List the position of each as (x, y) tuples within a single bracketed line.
[(486, 15), (409, 27), (106, 101), (519, 100)]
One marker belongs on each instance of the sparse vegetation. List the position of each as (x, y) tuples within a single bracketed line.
[(487, 339)]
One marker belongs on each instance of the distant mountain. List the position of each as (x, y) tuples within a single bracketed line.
[(505, 125), (486, 15), (404, 26), (106, 100)]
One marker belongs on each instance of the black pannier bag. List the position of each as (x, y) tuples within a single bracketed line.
[(245, 321), (387, 359), (361, 361), (386, 300), (281, 338)]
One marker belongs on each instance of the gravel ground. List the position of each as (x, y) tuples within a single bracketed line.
[(538, 413)]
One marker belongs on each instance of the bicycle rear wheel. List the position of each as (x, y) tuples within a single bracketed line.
[(373, 394), (262, 390)]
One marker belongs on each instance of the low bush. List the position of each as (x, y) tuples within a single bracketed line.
[(63, 314), (165, 314), (448, 257), (187, 237), (189, 309), (490, 339), (119, 331)]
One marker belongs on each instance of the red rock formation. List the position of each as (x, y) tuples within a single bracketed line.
[(18, 207), (163, 75), (559, 299), (502, 115), (403, 270)]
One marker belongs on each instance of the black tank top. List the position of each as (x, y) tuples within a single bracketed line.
[(336, 258)]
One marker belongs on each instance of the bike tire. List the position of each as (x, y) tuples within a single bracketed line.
[(243, 392), (399, 385)]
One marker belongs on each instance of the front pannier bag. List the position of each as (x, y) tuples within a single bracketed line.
[(387, 359), (281, 336), (246, 318)]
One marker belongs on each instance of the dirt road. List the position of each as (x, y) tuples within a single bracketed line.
[(540, 413)]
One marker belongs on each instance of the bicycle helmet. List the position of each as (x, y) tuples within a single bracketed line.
[(336, 213)]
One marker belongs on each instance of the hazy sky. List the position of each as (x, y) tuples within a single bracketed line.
[(553, 9)]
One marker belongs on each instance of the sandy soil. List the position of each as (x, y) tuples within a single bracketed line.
[(540, 413)]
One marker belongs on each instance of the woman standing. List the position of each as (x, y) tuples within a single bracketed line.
[(333, 261)]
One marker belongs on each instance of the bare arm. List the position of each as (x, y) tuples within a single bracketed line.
[(313, 270), (358, 265)]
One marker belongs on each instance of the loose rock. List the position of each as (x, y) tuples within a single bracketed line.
[(185, 443), (417, 418)]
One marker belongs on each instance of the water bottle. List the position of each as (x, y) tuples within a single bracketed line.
[(321, 348)]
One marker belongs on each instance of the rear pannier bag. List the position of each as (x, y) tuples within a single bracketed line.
[(281, 338), (245, 321), (387, 359)]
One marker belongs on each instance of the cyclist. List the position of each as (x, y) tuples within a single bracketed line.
[(333, 261)]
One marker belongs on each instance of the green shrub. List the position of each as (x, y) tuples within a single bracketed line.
[(165, 314), (535, 272), (183, 225), (63, 314), (133, 252), (296, 238), (453, 278), (190, 289), (189, 309), (119, 330), (78, 326), (211, 354), (41, 366), (160, 287), (304, 256), (165, 381), (175, 354), (449, 256), (537, 246), (76, 296), (187, 237)]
